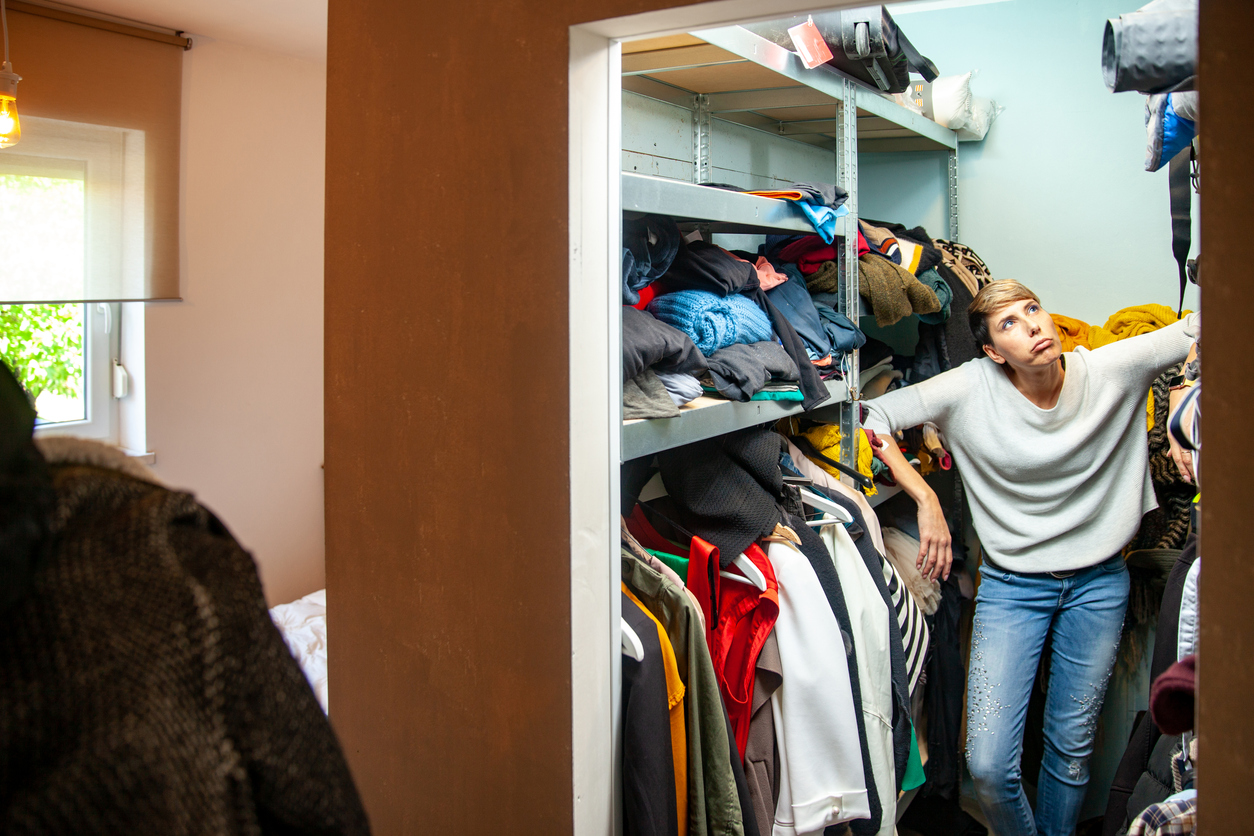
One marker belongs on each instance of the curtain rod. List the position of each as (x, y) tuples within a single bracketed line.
[(95, 20)]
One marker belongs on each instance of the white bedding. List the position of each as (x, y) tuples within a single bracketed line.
[(303, 624)]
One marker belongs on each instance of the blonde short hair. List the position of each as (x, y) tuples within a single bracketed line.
[(992, 297)]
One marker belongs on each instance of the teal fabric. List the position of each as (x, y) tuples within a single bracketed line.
[(677, 564), (914, 776), (794, 395), (946, 296), (791, 395)]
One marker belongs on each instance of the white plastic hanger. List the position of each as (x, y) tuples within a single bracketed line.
[(752, 574), (822, 503), (632, 645)]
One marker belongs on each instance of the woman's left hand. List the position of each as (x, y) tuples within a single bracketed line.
[(935, 546)]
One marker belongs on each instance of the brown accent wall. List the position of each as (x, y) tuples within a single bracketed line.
[(448, 558), (1226, 650)]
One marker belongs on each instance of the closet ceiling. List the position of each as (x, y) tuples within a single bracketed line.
[(292, 27), (675, 68)]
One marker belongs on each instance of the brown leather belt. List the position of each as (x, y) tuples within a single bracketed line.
[(1056, 575)]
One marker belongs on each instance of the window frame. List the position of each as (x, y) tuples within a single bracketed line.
[(101, 344), (113, 165)]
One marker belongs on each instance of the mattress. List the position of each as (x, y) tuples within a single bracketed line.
[(303, 624)]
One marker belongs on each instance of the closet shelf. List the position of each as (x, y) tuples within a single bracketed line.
[(708, 417), (723, 210), (754, 82)]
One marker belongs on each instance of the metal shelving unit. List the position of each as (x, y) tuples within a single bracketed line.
[(719, 210), (733, 75), (708, 417)]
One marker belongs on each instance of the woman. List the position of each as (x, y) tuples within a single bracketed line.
[(1053, 453)]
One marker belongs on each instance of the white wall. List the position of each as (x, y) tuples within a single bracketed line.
[(1057, 195), (234, 371)]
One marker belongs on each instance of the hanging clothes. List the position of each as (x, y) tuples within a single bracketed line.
[(821, 780), (761, 754), (814, 550), (740, 617), (869, 615), (728, 488), (650, 797), (745, 617), (713, 799), (907, 629)]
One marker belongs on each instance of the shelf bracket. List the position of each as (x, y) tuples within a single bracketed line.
[(701, 138), (847, 174), (953, 194)]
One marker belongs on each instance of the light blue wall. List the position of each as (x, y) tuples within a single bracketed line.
[(1057, 195)]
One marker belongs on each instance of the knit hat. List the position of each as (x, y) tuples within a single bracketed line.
[(729, 488), (893, 292), (1172, 695)]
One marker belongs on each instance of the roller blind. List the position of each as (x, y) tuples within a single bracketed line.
[(89, 201)]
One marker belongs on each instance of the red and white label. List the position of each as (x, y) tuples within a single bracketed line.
[(810, 44)]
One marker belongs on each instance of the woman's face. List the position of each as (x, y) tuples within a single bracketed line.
[(1023, 336)]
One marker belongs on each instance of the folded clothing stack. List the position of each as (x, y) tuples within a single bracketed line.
[(758, 371), (660, 367), (717, 299)]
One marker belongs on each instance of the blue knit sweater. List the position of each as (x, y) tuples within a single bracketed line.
[(713, 322)]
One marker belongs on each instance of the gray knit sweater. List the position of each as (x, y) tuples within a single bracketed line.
[(1050, 489)]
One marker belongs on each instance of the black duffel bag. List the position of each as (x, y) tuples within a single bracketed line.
[(865, 43)]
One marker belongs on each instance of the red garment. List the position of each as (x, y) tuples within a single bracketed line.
[(745, 617), (810, 252), (1171, 696), (646, 296)]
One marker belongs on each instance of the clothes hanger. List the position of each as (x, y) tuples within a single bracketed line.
[(822, 503), (632, 645), (806, 446), (752, 574)]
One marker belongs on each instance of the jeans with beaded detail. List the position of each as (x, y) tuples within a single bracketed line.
[(1014, 615)]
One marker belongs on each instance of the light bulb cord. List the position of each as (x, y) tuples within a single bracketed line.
[(4, 22)]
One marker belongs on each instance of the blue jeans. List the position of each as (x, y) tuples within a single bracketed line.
[(1014, 615)]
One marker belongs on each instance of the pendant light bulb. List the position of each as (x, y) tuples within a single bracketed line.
[(10, 127)]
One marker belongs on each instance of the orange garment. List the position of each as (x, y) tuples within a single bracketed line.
[(1073, 332), (675, 702), (780, 194), (1140, 319), (1124, 323)]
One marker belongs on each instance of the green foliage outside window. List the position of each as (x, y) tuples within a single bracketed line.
[(43, 345)]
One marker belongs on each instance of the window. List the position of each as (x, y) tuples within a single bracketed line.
[(64, 357), (71, 216)]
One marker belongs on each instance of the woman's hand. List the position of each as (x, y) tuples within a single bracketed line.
[(935, 546), (1182, 457)]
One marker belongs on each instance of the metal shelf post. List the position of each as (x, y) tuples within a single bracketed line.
[(953, 193), (847, 145), (701, 138)]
